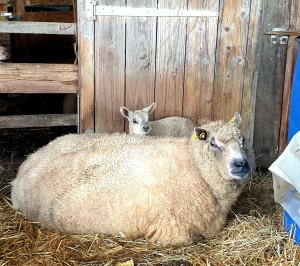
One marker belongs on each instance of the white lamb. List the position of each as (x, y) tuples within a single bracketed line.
[(170, 190), (173, 126), (4, 54)]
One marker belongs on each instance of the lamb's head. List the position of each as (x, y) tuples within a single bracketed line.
[(224, 146), (138, 120), (4, 55)]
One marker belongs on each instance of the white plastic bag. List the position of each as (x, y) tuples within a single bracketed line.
[(286, 178)]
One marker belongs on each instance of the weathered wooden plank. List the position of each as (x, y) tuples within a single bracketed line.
[(37, 27), (45, 120), (38, 78), (271, 66), (251, 73), (48, 2), (288, 79), (230, 58), (140, 58), (110, 69), (200, 63), (86, 69), (50, 16), (287, 89), (170, 60)]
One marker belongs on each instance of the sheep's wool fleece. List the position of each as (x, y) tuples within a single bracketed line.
[(139, 186), (173, 126)]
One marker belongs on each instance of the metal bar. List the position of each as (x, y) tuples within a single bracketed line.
[(284, 32), (151, 12)]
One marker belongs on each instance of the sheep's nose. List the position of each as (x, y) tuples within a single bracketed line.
[(146, 128), (240, 166)]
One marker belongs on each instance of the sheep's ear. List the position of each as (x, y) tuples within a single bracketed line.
[(125, 112), (236, 119), (199, 134), (149, 109)]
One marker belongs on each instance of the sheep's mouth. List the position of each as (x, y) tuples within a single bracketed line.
[(240, 175), (143, 133)]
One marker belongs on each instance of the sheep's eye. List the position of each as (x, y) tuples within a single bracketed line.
[(214, 145), (134, 121)]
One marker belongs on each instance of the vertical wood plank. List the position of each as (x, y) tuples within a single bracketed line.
[(271, 66), (170, 60), (230, 58), (200, 63), (287, 89), (250, 78), (86, 69), (109, 70), (140, 57), (289, 70)]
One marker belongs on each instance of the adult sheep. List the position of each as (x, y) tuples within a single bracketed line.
[(170, 190), (173, 126)]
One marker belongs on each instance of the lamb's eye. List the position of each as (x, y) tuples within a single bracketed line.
[(134, 121)]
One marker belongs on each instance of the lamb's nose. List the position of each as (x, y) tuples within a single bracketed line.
[(146, 128)]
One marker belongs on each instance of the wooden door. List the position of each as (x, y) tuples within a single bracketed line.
[(198, 67)]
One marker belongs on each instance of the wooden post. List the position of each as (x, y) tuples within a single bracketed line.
[(86, 69), (288, 79)]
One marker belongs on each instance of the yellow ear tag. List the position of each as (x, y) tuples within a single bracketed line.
[(202, 136), (232, 120), (194, 137)]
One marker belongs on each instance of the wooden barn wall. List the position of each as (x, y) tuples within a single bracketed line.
[(192, 67), (201, 68)]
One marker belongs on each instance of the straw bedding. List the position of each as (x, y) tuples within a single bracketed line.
[(253, 236)]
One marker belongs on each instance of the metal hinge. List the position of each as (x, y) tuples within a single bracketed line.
[(8, 15), (91, 9)]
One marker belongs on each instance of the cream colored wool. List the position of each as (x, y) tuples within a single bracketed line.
[(4, 54), (173, 126), (171, 190)]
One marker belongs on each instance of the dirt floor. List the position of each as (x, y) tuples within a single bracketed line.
[(253, 235)]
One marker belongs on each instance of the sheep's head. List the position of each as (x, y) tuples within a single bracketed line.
[(225, 146), (138, 120), (4, 55)]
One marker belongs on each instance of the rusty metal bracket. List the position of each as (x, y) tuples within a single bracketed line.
[(278, 36)]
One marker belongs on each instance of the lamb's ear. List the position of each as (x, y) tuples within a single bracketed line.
[(199, 134), (125, 112), (236, 119), (149, 109)]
